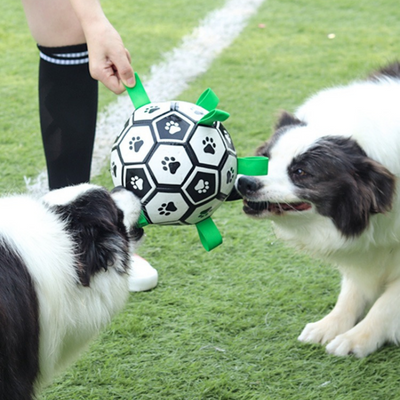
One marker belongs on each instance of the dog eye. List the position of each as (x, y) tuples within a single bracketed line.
[(299, 172)]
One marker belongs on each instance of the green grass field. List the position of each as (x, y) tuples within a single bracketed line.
[(224, 324)]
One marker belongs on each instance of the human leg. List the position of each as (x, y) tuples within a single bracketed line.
[(68, 95)]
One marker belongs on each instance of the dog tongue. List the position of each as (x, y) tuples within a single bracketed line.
[(302, 206)]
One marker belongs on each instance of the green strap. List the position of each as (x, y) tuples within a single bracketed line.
[(212, 116), (142, 221), (208, 100), (209, 234), (138, 94), (253, 166)]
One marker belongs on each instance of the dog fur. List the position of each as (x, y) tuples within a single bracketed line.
[(332, 191), (63, 275)]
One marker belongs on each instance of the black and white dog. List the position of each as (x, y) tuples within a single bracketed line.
[(332, 190), (63, 275)]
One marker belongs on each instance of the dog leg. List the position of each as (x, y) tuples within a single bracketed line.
[(382, 324), (348, 309)]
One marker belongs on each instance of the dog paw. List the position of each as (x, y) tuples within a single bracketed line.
[(352, 342), (323, 331), (315, 333)]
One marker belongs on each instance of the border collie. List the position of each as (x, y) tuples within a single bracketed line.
[(332, 192), (63, 275)]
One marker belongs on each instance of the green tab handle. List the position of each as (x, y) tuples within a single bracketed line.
[(208, 100), (138, 94), (253, 166), (142, 221), (209, 234), (212, 116)]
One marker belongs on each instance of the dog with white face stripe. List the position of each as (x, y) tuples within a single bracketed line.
[(332, 191)]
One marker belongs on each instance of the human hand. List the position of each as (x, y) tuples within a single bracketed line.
[(109, 60)]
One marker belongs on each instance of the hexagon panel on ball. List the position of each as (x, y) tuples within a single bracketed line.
[(208, 145), (170, 164), (165, 208), (228, 175), (202, 185), (227, 138), (136, 144), (137, 179), (202, 212), (172, 127)]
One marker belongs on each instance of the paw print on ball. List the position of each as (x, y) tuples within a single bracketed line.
[(209, 145), (172, 127), (136, 144), (202, 186), (230, 175), (170, 164), (137, 183), (167, 208), (151, 109)]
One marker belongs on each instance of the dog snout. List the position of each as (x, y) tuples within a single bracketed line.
[(247, 185)]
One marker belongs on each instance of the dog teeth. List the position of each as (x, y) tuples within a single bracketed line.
[(258, 206), (277, 207)]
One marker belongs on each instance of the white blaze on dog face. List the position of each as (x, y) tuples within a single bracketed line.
[(277, 186)]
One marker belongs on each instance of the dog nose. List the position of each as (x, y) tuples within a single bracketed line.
[(247, 184)]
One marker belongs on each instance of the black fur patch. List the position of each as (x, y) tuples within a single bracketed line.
[(96, 225), (392, 71), (343, 183), (285, 121), (19, 327)]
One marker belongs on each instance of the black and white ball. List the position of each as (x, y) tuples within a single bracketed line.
[(181, 170)]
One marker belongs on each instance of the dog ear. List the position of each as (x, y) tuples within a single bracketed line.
[(96, 225), (369, 191), (379, 184), (391, 70), (287, 119)]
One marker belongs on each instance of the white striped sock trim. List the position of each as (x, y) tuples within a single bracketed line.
[(72, 55), (64, 62)]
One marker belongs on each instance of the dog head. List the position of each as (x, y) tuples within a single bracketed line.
[(311, 174), (102, 225)]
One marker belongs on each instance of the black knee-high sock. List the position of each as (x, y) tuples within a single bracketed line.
[(68, 109)]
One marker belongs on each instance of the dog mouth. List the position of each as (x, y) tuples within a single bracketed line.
[(259, 207)]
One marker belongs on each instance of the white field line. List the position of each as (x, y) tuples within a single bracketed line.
[(169, 78)]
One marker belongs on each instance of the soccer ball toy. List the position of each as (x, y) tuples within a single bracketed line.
[(182, 170), (178, 158)]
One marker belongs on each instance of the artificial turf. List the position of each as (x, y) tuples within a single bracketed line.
[(224, 324)]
